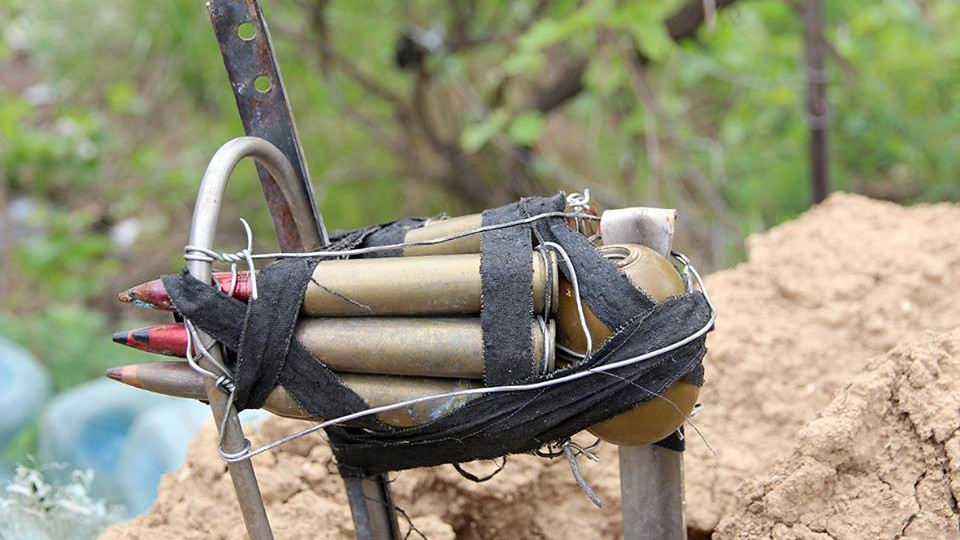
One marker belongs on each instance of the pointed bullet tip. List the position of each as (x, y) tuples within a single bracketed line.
[(115, 373), (120, 337)]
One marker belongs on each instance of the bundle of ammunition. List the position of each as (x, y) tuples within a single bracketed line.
[(399, 328)]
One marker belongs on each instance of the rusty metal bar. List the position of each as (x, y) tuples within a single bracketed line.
[(261, 99), (247, 51)]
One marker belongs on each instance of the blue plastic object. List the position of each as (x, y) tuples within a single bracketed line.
[(24, 388), (128, 437), (87, 428), (157, 443)]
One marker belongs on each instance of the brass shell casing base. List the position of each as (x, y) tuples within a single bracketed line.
[(658, 417)]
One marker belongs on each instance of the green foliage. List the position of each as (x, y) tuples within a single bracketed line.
[(526, 127), (73, 341), (474, 137)]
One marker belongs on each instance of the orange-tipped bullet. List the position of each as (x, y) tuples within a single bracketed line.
[(153, 295), (165, 339)]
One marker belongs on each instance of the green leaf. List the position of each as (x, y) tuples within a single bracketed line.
[(644, 21), (476, 136), (526, 127)]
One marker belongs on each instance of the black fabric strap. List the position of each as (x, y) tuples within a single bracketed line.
[(506, 313), (495, 425), (383, 234), (610, 295), (389, 234), (315, 388)]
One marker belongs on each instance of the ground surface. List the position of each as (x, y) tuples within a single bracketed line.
[(881, 461), (800, 321)]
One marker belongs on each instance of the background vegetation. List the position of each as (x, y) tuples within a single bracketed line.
[(109, 111)]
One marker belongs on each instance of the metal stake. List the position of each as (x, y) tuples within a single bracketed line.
[(651, 477), (374, 514), (651, 490), (265, 111), (818, 109)]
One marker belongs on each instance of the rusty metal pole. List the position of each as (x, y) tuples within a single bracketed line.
[(255, 79), (248, 56), (651, 477), (818, 109)]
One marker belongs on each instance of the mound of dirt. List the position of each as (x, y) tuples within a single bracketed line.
[(881, 461), (818, 297)]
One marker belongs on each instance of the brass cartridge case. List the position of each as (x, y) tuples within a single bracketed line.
[(180, 380), (429, 285), (380, 390), (424, 347), (444, 227), (658, 417)]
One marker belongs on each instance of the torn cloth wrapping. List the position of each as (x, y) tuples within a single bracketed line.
[(490, 425)]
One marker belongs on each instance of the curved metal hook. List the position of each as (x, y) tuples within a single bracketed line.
[(206, 212)]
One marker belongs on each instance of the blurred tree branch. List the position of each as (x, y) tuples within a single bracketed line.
[(432, 149)]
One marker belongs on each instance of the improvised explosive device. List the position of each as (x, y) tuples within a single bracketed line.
[(445, 347), (416, 367), (248, 354)]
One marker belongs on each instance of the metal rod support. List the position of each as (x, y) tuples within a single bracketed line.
[(818, 109), (374, 514), (653, 477), (203, 229)]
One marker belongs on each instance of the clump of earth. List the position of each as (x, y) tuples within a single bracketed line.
[(815, 424)]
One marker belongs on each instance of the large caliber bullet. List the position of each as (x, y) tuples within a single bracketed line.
[(165, 339), (439, 228), (152, 294), (429, 285), (424, 347), (180, 380)]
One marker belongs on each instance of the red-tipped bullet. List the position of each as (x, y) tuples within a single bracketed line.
[(165, 339), (153, 295)]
